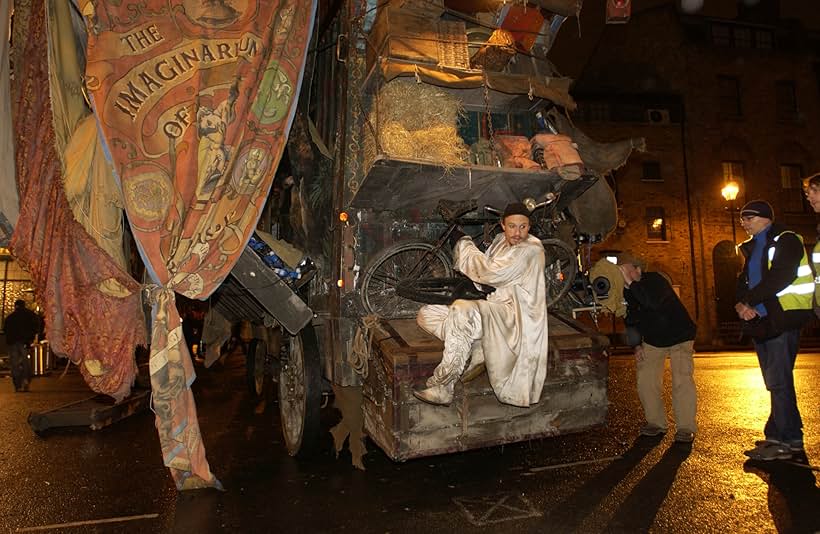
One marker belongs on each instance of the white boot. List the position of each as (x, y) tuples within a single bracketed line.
[(442, 395)]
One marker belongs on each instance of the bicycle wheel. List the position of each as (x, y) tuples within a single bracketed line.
[(403, 261), (560, 269)]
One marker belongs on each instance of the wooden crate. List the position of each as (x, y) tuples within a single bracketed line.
[(574, 397), (433, 8), (416, 36)]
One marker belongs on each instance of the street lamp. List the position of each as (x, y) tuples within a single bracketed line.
[(729, 192)]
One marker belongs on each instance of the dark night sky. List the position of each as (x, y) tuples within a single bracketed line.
[(570, 51)]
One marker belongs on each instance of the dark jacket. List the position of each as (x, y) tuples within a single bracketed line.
[(655, 310), (21, 326), (788, 253)]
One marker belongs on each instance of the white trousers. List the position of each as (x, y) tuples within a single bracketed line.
[(459, 326)]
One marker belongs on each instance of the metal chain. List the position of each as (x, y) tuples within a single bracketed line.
[(490, 121)]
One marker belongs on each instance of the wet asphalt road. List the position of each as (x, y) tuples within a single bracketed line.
[(619, 484)]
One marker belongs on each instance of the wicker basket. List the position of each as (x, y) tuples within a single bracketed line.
[(495, 55)]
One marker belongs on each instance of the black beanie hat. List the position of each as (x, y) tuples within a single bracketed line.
[(515, 208), (761, 208)]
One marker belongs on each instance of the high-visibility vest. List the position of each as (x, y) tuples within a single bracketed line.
[(799, 294), (815, 260)]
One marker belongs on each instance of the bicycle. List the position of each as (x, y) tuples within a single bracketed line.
[(425, 270)]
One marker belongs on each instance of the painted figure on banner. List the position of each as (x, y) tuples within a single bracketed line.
[(214, 13), (213, 153)]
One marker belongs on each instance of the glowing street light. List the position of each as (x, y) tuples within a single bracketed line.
[(729, 192)]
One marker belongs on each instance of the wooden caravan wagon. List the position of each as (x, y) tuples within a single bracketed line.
[(413, 124)]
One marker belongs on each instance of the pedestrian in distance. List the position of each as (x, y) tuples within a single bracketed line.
[(21, 326), (774, 300), (659, 325)]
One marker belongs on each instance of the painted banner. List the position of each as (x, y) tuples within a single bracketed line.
[(195, 100), (97, 329), (9, 204)]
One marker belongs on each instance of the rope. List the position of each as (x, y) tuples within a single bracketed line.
[(360, 349)]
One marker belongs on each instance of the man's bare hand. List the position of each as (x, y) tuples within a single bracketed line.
[(745, 312)]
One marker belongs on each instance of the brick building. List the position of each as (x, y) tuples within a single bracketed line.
[(717, 99)]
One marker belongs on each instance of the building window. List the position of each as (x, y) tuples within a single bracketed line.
[(652, 171), (764, 40), (786, 100), (720, 35), (729, 96), (743, 37), (792, 198), (599, 111), (733, 171), (655, 224)]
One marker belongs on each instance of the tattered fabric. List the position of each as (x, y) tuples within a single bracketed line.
[(195, 100), (98, 332), (9, 204)]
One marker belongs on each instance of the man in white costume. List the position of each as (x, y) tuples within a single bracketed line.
[(508, 331)]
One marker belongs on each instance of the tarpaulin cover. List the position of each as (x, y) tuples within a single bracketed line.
[(554, 89), (195, 100), (98, 331)]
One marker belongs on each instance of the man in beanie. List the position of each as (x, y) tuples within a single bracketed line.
[(508, 330), (664, 327), (775, 292)]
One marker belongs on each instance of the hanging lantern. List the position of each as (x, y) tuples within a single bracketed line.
[(618, 11)]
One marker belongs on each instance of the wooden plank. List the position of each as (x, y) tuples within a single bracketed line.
[(271, 292), (95, 412)]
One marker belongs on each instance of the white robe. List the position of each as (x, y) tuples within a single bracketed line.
[(513, 318)]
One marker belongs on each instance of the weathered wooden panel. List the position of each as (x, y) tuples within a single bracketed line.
[(574, 396)]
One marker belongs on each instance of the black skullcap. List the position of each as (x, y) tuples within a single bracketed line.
[(761, 208), (515, 208)]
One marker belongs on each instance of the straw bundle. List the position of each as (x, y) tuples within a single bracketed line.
[(417, 121)]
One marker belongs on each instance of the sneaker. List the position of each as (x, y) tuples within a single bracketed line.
[(652, 430), (771, 451), (766, 442), (684, 436), (795, 446)]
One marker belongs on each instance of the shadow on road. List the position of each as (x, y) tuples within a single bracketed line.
[(569, 514), (637, 512), (793, 498)]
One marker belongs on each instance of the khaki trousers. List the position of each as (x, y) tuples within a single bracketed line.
[(650, 385)]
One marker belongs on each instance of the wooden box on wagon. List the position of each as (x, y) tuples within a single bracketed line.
[(574, 397), (417, 36)]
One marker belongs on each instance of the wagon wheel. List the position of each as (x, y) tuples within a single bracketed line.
[(255, 366), (403, 261), (560, 269), (300, 392)]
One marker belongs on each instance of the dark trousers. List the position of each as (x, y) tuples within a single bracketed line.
[(776, 357), (20, 364)]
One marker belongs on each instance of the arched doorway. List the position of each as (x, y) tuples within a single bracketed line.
[(726, 263)]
